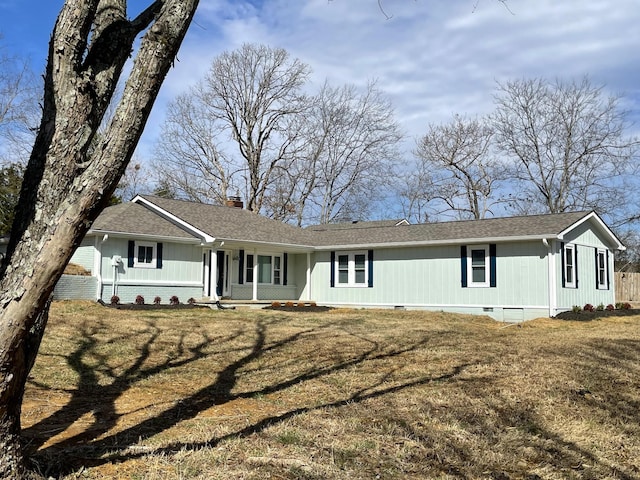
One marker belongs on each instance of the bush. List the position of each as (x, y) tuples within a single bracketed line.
[(139, 300), (302, 304), (588, 308), (157, 300), (174, 300), (115, 300), (626, 306), (610, 308), (191, 301), (600, 307), (576, 309), (288, 304), (313, 304), (276, 304)]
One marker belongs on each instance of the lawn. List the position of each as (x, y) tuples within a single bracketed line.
[(345, 394)]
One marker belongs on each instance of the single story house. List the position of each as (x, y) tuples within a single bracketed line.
[(511, 269)]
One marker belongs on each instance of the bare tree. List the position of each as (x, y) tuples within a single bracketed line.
[(568, 143), (18, 108), (134, 181), (189, 155), (456, 160), (352, 151), (65, 187), (251, 93), (416, 194)]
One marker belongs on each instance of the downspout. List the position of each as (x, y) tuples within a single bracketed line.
[(308, 276), (551, 276), (97, 264), (114, 290)]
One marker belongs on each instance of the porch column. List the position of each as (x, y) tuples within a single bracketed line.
[(308, 275), (205, 272), (255, 275)]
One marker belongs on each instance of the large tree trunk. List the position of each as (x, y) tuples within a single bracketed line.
[(65, 187)]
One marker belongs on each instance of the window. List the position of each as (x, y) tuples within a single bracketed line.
[(264, 268), (269, 269), (478, 265), (144, 254), (602, 270), (353, 269), (569, 270), (249, 263), (277, 271)]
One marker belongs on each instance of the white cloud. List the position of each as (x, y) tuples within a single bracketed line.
[(432, 58)]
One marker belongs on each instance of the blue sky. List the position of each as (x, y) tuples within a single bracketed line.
[(432, 58)]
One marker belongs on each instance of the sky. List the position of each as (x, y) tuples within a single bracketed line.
[(432, 58)]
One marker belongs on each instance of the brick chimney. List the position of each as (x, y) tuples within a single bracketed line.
[(234, 202)]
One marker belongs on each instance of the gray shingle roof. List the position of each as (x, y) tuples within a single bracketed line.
[(230, 223), (137, 219), (235, 224), (536, 226), (356, 224)]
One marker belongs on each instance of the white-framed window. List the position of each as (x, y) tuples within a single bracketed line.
[(352, 269), (569, 257), (602, 270), (269, 268), (478, 266), (145, 255)]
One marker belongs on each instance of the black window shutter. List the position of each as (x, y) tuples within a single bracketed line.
[(597, 270), (285, 260), (131, 253), (159, 256), (370, 266), (492, 265), (241, 267), (562, 255), (463, 265), (607, 272), (575, 263), (333, 269)]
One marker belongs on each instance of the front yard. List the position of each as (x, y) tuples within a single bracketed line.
[(364, 394)]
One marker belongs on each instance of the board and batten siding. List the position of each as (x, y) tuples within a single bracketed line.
[(587, 241), (430, 277), (85, 254), (181, 271)]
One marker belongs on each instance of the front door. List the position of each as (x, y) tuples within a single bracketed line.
[(220, 274)]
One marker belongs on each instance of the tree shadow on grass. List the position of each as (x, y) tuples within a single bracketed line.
[(91, 447), (545, 445)]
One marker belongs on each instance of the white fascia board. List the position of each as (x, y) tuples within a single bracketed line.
[(290, 247), (600, 224), (428, 243), (206, 238), (139, 236)]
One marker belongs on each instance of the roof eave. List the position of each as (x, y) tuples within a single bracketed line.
[(601, 225), (205, 237), (255, 243), (428, 243), (138, 236)]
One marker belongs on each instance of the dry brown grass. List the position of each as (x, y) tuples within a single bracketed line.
[(207, 394)]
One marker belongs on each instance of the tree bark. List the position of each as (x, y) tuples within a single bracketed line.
[(65, 187)]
